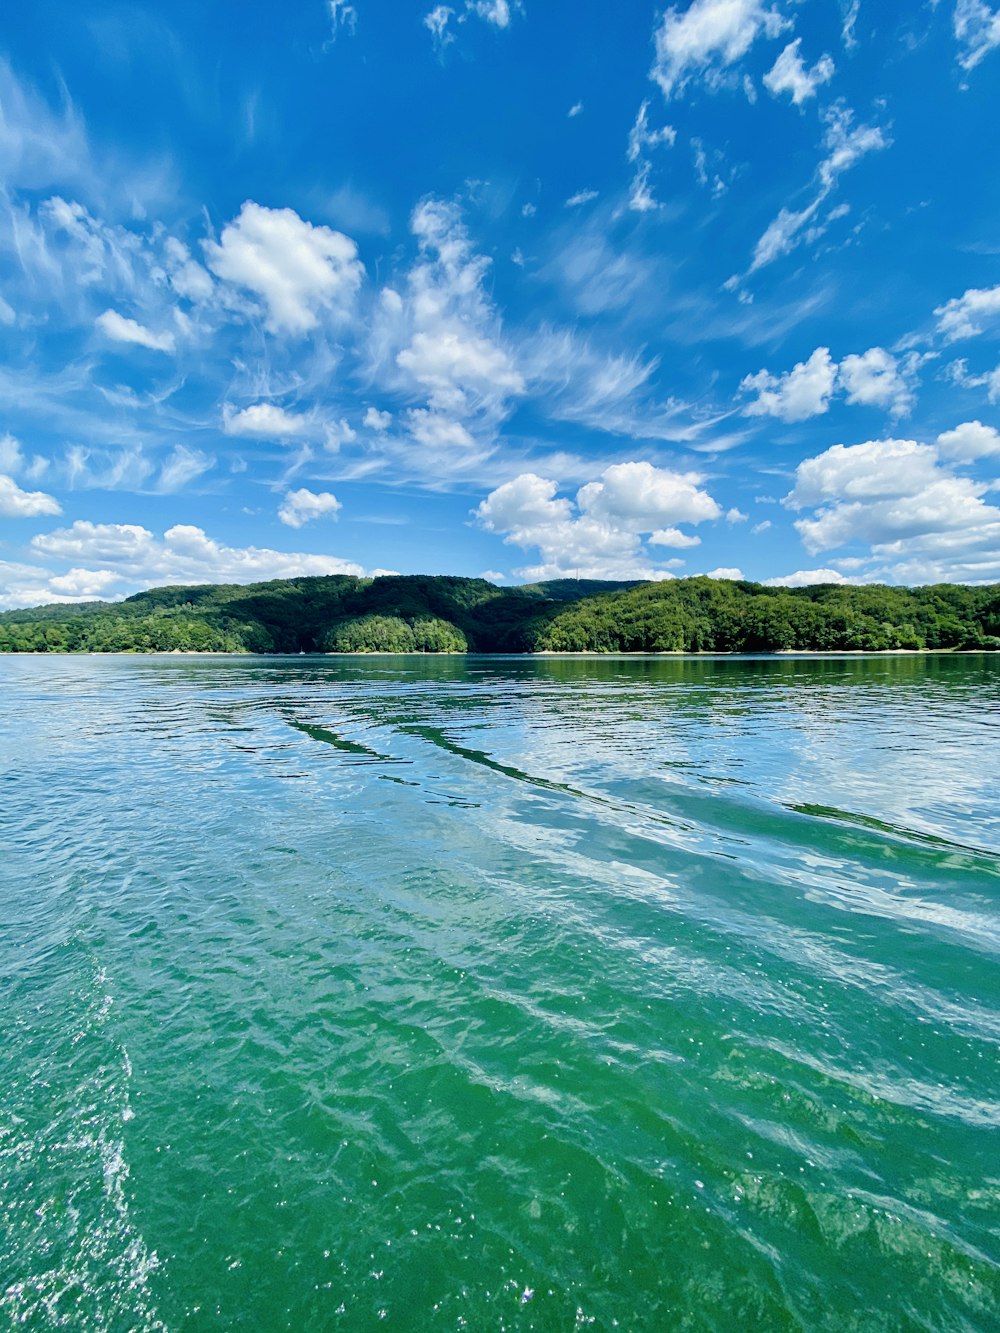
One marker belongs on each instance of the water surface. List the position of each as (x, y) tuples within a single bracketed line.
[(500, 994)]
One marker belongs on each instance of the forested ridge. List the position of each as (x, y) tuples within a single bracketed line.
[(438, 614)]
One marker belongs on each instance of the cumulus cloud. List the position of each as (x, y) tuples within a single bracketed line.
[(29, 585), (789, 74), (673, 537), (899, 498), (120, 329), (730, 572), (15, 503), (264, 421), (299, 270), (302, 506), (643, 496), (376, 420), (964, 316), (969, 441), (184, 554), (599, 533), (803, 392), (707, 38), (872, 379), (977, 31), (806, 578)]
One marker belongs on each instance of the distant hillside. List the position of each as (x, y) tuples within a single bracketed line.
[(442, 614)]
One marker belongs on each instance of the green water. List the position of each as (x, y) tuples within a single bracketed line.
[(491, 994)]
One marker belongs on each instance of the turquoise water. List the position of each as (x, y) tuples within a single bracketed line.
[(500, 994)]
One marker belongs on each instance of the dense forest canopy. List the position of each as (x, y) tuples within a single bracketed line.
[(435, 614)]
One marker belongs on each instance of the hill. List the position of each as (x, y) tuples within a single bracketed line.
[(423, 613)]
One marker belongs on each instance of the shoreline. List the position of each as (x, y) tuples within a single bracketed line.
[(541, 653)]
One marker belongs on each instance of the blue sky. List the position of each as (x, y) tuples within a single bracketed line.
[(520, 290)]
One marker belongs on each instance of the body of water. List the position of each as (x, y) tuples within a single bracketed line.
[(500, 994)]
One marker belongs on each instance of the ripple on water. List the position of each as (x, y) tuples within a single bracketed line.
[(535, 995)]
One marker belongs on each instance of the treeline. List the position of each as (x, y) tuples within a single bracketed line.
[(455, 615), (711, 615)]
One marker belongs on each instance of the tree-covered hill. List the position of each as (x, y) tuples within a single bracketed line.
[(418, 613)]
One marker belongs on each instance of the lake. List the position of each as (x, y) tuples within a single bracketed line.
[(500, 994)]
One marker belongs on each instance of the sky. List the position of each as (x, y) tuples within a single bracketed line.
[(511, 290)]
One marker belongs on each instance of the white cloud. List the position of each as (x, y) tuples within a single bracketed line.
[(376, 420), (896, 497), (581, 197), (11, 455), (673, 537), (758, 528), (969, 441), (850, 20), (342, 16), (845, 144), (801, 393), (123, 330), (640, 196), (187, 277), (732, 573), (735, 515), (83, 584), (876, 470), (447, 361), (337, 433), (963, 316), (442, 342), (38, 147), (496, 12), (575, 110), (15, 503), (7, 314), (643, 496), (264, 421), (874, 379), (782, 234), (789, 74), (977, 31), (436, 22), (707, 38), (185, 554), (599, 534), (183, 466), (302, 506), (436, 431), (299, 270), (641, 137), (806, 578), (959, 373)]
